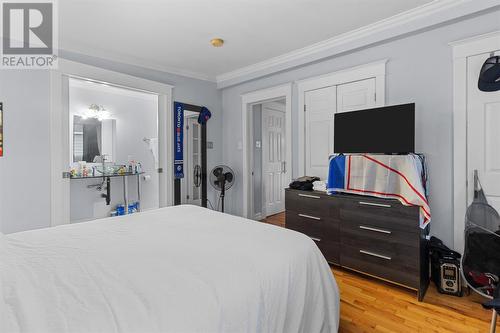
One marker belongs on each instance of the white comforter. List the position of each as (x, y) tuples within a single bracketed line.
[(177, 269)]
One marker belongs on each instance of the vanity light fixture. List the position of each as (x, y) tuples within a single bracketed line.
[(96, 111)]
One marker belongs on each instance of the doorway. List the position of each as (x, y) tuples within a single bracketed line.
[(60, 132), (483, 137), (475, 123), (269, 158), (267, 151), (108, 149), (191, 186)]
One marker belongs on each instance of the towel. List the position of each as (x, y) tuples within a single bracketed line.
[(319, 185), (153, 147), (384, 176)]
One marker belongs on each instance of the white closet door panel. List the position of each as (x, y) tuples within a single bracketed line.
[(356, 95), (483, 134), (320, 110)]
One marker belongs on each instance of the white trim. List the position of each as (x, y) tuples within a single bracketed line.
[(372, 70), (463, 49), (247, 100), (59, 140), (413, 20)]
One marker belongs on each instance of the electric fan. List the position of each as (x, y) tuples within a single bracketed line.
[(222, 178)]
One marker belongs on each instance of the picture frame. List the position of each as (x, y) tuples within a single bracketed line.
[(1, 130)]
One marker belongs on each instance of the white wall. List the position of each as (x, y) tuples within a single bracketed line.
[(419, 70), (25, 167)]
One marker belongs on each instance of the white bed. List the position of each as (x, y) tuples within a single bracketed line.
[(177, 269)]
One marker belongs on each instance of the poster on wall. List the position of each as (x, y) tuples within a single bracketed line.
[(178, 140), (1, 129)]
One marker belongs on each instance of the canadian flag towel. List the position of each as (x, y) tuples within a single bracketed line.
[(384, 176)]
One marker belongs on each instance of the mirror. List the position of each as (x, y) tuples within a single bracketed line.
[(93, 138)]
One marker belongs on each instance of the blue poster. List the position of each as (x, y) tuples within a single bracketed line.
[(178, 140)]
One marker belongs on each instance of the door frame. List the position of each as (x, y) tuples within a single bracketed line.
[(247, 101), (462, 50), (367, 71), (59, 130)]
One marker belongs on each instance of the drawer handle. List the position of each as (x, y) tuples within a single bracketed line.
[(374, 204), (375, 255), (316, 239), (309, 196), (310, 217), (375, 229)]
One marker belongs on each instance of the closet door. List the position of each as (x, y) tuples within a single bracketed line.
[(483, 136), (356, 95), (320, 107)]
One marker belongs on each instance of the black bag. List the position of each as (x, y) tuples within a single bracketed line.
[(438, 251)]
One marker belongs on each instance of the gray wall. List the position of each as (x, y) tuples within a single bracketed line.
[(419, 70), (25, 167)]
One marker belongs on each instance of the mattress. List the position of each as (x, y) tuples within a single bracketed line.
[(176, 269)]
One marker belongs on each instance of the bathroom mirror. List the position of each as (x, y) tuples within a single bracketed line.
[(93, 138)]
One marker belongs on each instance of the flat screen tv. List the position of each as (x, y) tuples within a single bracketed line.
[(385, 130)]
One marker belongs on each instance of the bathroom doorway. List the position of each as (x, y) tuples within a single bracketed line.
[(61, 162), (113, 145)]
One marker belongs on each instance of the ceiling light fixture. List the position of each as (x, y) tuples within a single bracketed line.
[(217, 42)]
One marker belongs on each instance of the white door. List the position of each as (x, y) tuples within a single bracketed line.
[(273, 159), (191, 191), (320, 107), (356, 95), (483, 134)]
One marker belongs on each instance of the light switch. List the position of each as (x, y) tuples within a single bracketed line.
[(240, 145), (258, 144)]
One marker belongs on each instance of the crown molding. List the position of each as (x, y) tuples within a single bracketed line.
[(137, 62), (476, 45), (428, 15)]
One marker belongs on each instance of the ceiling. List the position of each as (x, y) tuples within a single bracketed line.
[(174, 35)]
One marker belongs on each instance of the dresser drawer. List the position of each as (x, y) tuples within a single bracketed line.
[(354, 230), (325, 233), (384, 217), (313, 226), (404, 254), (309, 203), (390, 266), (377, 206)]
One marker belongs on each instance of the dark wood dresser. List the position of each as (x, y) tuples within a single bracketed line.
[(378, 237)]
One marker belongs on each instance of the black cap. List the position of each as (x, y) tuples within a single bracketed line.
[(489, 77)]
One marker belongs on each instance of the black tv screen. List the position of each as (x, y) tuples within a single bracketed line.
[(389, 129)]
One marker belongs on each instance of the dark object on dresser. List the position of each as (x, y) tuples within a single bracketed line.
[(378, 237), (303, 183)]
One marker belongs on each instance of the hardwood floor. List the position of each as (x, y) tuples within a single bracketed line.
[(370, 305)]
